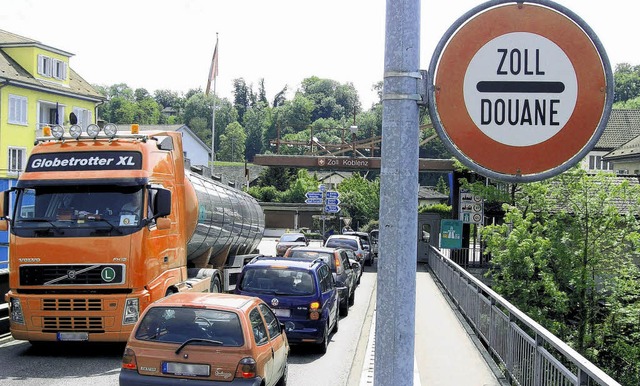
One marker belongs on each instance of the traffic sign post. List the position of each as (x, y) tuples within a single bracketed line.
[(520, 92), (313, 195)]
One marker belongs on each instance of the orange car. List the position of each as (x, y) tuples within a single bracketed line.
[(206, 339)]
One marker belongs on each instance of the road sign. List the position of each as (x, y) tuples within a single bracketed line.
[(471, 208), (322, 188), (323, 217), (331, 208), (450, 234), (332, 194), (313, 200), (534, 85), (332, 201), (313, 194)]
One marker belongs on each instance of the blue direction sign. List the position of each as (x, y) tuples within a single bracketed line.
[(322, 188), (313, 200), (313, 194), (331, 208), (332, 201), (332, 194)]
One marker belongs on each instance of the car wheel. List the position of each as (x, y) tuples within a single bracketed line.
[(216, 286), (325, 341), (335, 325), (352, 298), (285, 374)]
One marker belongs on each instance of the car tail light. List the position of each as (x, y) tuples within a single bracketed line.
[(129, 359), (314, 311), (247, 368)]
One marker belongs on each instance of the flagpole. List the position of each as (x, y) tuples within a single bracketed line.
[(213, 74)]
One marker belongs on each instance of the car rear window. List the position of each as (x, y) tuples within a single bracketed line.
[(179, 324), (342, 243), (278, 281), (291, 238), (311, 255)]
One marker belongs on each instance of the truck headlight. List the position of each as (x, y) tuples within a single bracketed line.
[(131, 311), (17, 316)]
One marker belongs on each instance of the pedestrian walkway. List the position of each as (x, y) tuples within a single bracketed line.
[(446, 353)]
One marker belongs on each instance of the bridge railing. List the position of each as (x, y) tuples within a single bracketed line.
[(527, 353)]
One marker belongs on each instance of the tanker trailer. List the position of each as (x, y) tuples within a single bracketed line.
[(102, 224), (229, 227)]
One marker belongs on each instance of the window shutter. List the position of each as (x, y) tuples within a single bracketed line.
[(40, 65)]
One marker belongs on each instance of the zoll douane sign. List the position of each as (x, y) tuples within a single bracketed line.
[(520, 91)]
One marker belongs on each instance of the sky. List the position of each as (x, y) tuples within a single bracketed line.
[(162, 44)]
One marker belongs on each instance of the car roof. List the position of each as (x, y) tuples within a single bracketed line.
[(355, 233), (268, 261), (349, 237), (200, 299), (317, 249)]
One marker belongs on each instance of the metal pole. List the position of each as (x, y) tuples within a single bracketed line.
[(395, 318), (213, 127)]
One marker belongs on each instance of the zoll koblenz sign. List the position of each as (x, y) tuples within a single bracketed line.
[(520, 91)]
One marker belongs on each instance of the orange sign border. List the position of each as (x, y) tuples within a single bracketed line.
[(449, 95)]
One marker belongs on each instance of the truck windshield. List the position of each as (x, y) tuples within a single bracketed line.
[(76, 211)]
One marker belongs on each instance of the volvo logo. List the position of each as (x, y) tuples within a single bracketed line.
[(71, 274), (275, 302)]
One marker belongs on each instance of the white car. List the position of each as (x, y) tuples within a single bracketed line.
[(352, 242)]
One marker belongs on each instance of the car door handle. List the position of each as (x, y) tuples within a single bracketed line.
[(273, 354)]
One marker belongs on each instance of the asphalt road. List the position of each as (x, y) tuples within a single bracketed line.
[(99, 364)]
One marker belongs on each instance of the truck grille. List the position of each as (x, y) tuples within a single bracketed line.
[(72, 304), (72, 323), (73, 274)]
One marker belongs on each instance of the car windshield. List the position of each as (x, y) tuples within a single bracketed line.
[(291, 237), (342, 243), (78, 210), (181, 324), (278, 281)]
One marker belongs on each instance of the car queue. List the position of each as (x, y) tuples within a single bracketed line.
[(295, 299)]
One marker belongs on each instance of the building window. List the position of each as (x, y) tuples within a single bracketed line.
[(16, 159), (44, 65), (84, 117), (17, 110), (59, 69)]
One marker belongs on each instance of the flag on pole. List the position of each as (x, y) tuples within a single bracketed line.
[(213, 71)]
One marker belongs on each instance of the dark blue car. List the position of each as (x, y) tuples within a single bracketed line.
[(301, 293)]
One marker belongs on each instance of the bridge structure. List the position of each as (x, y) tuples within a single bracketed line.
[(357, 154), (467, 334)]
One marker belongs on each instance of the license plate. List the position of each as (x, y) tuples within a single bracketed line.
[(185, 369), (285, 313), (73, 336)]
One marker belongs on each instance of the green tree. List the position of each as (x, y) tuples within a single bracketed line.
[(564, 256), (278, 177), (257, 120), (627, 82), (232, 143), (241, 97), (298, 189), (360, 198)]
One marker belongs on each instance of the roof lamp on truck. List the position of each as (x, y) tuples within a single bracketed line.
[(102, 224)]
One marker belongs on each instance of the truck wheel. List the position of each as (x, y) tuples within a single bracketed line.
[(216, 286)]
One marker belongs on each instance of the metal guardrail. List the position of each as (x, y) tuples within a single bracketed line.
[(527, 353)]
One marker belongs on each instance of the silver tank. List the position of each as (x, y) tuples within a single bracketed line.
[(230, 222)]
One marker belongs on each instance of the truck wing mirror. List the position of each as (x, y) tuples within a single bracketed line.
[(162, 204), (4, 204)]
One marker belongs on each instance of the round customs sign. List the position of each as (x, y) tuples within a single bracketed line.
[(520, 91)]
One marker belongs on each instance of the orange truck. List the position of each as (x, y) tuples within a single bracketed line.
[(101, 224)]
